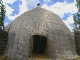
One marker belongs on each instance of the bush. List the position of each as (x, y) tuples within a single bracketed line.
[(77, 40)]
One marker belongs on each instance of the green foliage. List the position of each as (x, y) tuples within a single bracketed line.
[(77, 33), (2, 13), (77, 40), (76, 18)]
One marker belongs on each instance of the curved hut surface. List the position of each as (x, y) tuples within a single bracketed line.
[(34, 25)]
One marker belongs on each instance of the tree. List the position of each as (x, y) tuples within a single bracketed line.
[(76, 18), (2, 14)]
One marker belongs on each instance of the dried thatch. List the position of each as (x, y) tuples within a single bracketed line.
[(39, 21)]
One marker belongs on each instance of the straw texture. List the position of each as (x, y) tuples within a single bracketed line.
[(39, 21)]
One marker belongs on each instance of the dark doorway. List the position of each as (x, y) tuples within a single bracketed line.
[(39, 44)]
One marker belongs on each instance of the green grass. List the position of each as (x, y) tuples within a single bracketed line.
[(77, 58)]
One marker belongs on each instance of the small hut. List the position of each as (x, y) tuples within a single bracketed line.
[(39, 31)]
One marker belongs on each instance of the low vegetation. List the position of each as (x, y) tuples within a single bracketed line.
[(4, 58)]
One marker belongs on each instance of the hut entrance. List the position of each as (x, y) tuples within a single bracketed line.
[(39, 44)]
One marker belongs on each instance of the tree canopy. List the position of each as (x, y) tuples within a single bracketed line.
[(2, 13), (76, 18)]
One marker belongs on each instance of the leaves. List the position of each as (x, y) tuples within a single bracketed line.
[(2, 14), (76, 18)]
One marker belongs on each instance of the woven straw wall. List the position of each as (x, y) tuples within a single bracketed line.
[(60, 41)]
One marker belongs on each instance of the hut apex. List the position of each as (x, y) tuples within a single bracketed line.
[(38, 4), (39, 32)]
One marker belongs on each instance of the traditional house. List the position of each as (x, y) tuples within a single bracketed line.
[(39, 31)]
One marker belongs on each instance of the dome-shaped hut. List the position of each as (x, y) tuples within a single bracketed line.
[(39, 31)]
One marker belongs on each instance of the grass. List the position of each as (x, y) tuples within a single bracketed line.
[(77, 58), (4, 58)]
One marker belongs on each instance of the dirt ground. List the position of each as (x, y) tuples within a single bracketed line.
[(38, 57)]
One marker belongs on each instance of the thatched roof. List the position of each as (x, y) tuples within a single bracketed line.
[(39, 21), (38, 18)]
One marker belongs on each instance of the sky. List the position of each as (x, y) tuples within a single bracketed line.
[(64, 8)]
